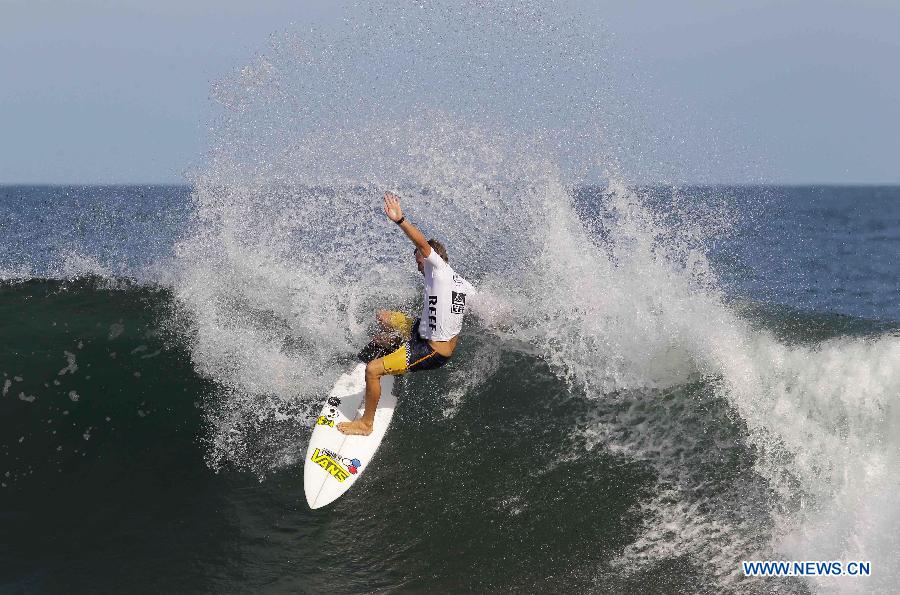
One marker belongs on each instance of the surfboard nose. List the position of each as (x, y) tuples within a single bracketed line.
[(311, 501), (312, 489), (316, 496), (320, 502)]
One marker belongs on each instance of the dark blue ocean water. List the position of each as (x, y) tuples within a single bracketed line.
[(825, 249), (53, 231)]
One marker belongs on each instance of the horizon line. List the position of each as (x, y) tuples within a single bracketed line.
[(593, 183)]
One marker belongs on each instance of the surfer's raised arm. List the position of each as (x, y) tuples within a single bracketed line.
[(395, 214)]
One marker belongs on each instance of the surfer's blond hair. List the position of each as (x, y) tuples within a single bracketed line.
[(439, 248)]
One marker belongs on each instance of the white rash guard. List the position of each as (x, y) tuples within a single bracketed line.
[(444, 300)]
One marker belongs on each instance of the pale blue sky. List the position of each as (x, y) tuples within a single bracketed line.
[(111, 91)]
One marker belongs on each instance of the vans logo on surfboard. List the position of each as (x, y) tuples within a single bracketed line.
[(330, 465), (339, 467)]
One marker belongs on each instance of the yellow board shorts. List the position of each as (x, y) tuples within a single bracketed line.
[(414, 354)]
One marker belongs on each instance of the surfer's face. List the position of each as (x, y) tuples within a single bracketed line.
[(420, 261)]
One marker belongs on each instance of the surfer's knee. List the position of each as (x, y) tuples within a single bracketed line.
[(375, 369)]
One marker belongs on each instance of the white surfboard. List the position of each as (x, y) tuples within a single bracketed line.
[(334, 461)]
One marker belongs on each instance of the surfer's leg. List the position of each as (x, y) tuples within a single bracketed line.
[(384, 319), (393, 323), (363, 426), (387, 334), (386, 338)]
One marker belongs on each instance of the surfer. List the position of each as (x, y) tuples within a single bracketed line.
[(428, 342)]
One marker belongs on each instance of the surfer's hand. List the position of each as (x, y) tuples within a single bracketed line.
[(392, 207)]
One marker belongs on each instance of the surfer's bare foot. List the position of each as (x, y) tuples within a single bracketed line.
[(355, 428)]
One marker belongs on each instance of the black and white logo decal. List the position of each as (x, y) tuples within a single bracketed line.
[(459, 303)]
